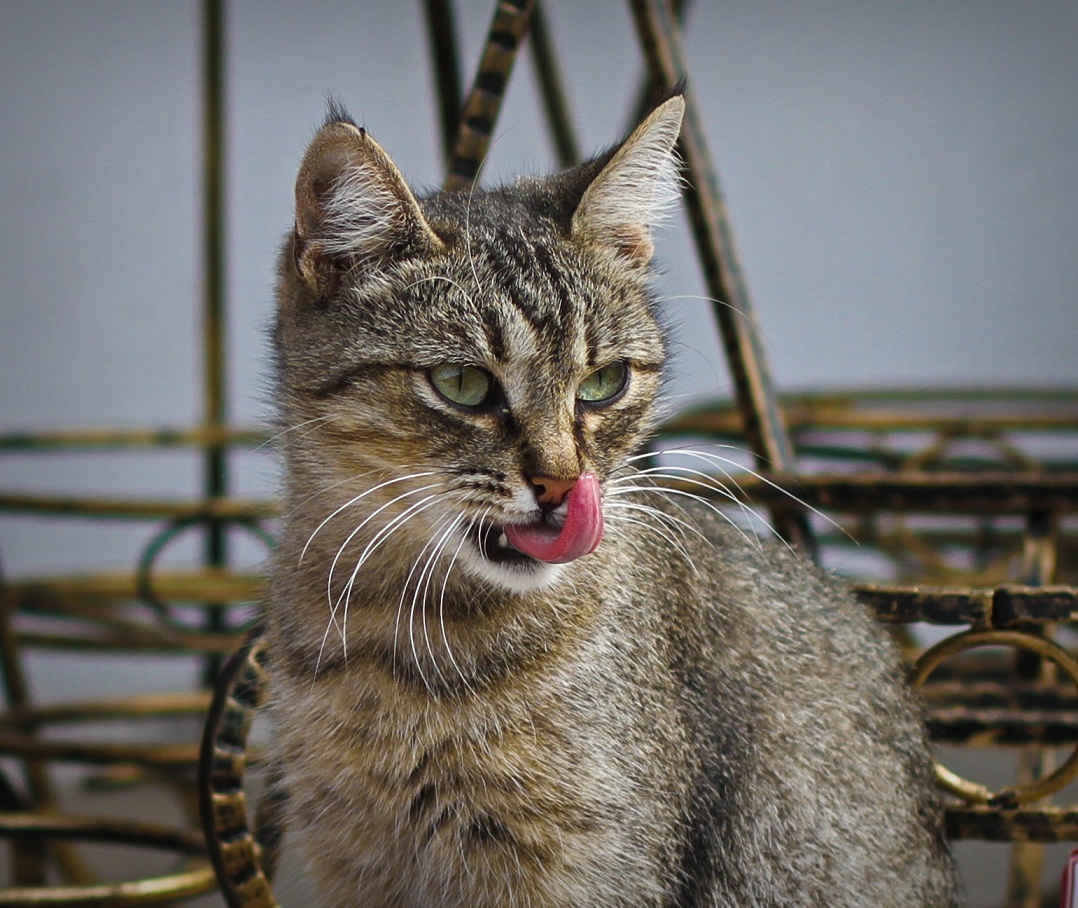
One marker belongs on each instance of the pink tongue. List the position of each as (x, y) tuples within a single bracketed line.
[(579, 535)]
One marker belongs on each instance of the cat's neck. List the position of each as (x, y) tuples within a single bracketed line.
[(421, 620)]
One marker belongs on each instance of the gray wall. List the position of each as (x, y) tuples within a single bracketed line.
[(901, 178)]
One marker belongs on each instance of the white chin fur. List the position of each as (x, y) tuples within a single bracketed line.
[(517, 578)]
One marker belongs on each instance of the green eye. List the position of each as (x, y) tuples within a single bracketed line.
[(465, 385), (603, 384)]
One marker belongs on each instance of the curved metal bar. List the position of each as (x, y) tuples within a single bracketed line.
[(235, 852), (152, 891), (19, 728), (974, 792), (164, 538)]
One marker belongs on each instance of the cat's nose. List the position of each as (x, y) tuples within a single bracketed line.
[(550, 493)]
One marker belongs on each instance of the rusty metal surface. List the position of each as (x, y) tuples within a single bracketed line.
[(192, 881), (138, 508), (1047, 824), (1003, 727), (965, 411), (483, 104), (989, 492), (1002, 712), (132, 439), (1013, 605), (235, 851), (109, 611)]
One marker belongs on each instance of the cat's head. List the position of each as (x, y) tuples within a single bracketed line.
[(491, 357)]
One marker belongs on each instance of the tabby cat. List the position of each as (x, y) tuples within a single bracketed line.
[(507, 669)]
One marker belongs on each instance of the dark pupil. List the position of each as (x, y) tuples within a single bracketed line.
[(465, 385), (604, 383)]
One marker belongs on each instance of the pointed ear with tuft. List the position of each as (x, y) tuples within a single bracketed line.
[(353, 210), (635, 188)]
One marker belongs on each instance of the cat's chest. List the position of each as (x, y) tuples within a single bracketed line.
[(515, 738), (519, 782)]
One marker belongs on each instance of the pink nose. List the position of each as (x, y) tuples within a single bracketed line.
[(551, 492)]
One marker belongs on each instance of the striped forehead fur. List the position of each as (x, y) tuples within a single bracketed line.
[(637, 186)]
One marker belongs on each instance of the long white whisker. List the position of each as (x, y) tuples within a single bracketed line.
[(356, 500), (437, 277), (441, 597), (380, 536), (700, 455), (740, 498), (623, 497), (683, 449), (706, 481), (676, 523), (468, 217), (705, 299), (359, 528), (650, 527), (656, 528), (384, 533), (273, 439), (425, 581), (408, 579), (433, 545), (300, 507), (667, 490), (716, 459)]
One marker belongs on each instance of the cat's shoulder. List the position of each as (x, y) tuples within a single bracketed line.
[(726, 568)]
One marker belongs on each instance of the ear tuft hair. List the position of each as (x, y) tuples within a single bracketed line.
[(336, 112)]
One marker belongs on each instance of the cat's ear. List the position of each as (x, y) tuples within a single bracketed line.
[(636, 188), (353, 209)]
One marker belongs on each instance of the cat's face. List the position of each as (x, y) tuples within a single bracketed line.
[(474, 366)]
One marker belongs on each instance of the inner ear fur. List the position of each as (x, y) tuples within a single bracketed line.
[(353, 209), (636, 187)]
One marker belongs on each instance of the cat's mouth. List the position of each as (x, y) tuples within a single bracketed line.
[(494, 545), (574, 530)]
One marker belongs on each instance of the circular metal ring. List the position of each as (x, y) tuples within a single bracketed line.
[(973, 792), (161, 541)]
